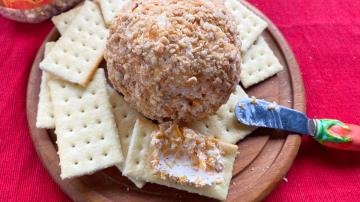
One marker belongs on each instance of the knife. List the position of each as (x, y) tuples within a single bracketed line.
[(329, 132)]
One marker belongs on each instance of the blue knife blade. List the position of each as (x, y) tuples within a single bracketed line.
[(261, 113)]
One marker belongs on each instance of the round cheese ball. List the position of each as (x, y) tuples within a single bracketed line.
[(174, 60)]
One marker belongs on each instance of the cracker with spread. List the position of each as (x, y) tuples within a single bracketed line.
[(180, 158)]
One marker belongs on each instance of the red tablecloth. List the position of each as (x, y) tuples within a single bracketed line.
[(325, 37)]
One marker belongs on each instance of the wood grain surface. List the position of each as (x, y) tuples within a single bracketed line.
[(264, 157)]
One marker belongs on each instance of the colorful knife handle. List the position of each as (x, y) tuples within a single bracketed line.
[(336, 134)]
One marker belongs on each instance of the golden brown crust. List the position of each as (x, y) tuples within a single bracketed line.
[(174, 60)]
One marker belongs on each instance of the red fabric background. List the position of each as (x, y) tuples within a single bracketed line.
[(324, 36)]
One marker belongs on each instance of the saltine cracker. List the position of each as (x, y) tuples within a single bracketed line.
[(249, 24), (125, 118), (86, 131), (258, 64), (110, 8), (223, 125), (45, 116), (77, 54), (63, 20)]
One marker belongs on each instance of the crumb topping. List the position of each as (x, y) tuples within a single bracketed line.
[(174, 60), (185, 157), (272, 106), (253, 100)]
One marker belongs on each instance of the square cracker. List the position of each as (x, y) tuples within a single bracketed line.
[(85, 127), (125, 118), (258, 64), (63, 20), (138, 163), (110, 8), (224, 125), (78, 52), (45, 115), (249, 24)]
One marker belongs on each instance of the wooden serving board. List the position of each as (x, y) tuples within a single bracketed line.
[(264, 157)]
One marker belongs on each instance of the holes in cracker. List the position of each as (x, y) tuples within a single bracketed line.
[(96, 106), (80, 97), (87, 141), (98, 121), (105, 154), (76, 163), (68, 114), (73, 145), (207, 126), (232, 110), (66, 99), (85, 126), (82, 110), (227, 129), (102, 137), (137, 162), (52, 115), (125, 116), (90, 158), (71, 129)]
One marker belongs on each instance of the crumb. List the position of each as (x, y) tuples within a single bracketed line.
[(127, 189), (252, 169), (242, 106), (253, 100), (285, 179), (272, 106)]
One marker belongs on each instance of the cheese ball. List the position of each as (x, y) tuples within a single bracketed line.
[(174, 60)]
